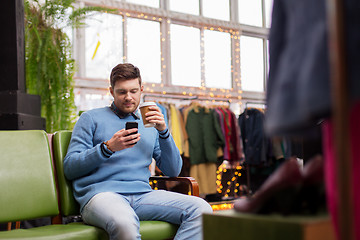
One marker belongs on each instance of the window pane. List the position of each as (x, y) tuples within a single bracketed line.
[(185, 6), (104, 45), (267, 56), (143, 45), (218, 9), (150, 3), (86, 99), (250, 12), (252, 63), (217, 59), (185, 56), (268, 7)]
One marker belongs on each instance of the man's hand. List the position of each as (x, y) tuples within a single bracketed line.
[(122, 140), (155, 116)]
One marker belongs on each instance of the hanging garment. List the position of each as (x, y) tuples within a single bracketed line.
[(226, 134), (204, 134), (251, 123), (220, 119), (185, 111), (185, 143), (166, 109), (278, 152), (235, 138), (205, 175), (176, 128), (164, 112)]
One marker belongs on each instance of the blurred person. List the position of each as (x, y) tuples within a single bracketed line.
[(299, 85)]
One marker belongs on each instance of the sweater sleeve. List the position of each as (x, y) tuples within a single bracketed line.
[(167, 155), (82, 156)]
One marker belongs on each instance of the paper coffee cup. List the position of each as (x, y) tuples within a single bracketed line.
[(144, 108)]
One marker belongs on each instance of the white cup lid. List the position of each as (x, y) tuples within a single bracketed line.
[(144, 104)]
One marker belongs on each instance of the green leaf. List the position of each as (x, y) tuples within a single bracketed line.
[(50, 67)]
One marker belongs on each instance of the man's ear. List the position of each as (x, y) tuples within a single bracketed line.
[(142, 88), (111, 91)]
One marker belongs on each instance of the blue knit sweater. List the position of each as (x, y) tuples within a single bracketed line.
[(126, 171)]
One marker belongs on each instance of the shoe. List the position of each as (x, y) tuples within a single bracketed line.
[(277, 194), (313, 172), (313, 192)]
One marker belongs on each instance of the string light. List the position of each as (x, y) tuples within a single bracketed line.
[(222, 206), (230, 184), (202, 90)]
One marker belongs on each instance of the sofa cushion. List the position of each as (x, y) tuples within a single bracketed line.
[(68, 204), (57, 231), (155, 230), (27, 184)]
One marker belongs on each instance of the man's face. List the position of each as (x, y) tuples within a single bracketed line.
[(127, 95)]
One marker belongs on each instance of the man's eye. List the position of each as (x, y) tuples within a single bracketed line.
[(134, 91)]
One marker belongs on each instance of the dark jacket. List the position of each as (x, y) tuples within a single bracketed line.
[(251, 123), (298, 89)]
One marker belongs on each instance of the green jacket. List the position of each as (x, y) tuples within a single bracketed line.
[(205, 136)]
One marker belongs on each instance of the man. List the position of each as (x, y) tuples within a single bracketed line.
[(110, 168)]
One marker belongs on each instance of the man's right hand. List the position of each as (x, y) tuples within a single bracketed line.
[(123, 139)]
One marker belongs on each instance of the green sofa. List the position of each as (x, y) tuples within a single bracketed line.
[(33, 185)]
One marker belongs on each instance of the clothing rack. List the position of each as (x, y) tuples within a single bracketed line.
[(184, 97), (169, 96), (257, 103)]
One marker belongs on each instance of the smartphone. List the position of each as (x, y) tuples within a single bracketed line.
[(129, 125)]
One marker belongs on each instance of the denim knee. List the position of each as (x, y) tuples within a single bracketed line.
[(205, 207), (122, 229), (200, 206)]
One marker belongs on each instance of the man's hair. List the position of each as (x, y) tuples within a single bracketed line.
[(124, 71)]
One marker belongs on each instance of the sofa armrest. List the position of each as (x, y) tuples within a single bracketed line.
[(191, 182)]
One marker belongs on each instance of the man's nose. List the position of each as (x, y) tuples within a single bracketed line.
[(128, 96)]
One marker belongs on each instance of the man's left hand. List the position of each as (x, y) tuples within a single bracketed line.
[(155, 116)]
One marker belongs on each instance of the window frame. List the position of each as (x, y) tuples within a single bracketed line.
[(165, 17)]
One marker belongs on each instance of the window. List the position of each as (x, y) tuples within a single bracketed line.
[(149, 3), (268, 13), (217, 59), (143, 46), (250, 12), (218, 9), (185, 56), (252, 63), (185, 6), (187, 47), (89, 99), (104, 45)]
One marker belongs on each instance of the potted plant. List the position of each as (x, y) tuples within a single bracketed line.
[(50, 67)]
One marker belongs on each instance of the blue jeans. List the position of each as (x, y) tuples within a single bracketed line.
[(119, 214)]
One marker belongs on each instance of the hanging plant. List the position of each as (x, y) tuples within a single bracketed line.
[(50, 67)]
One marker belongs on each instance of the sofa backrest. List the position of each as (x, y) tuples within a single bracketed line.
[(27, 185), (68, 204)]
